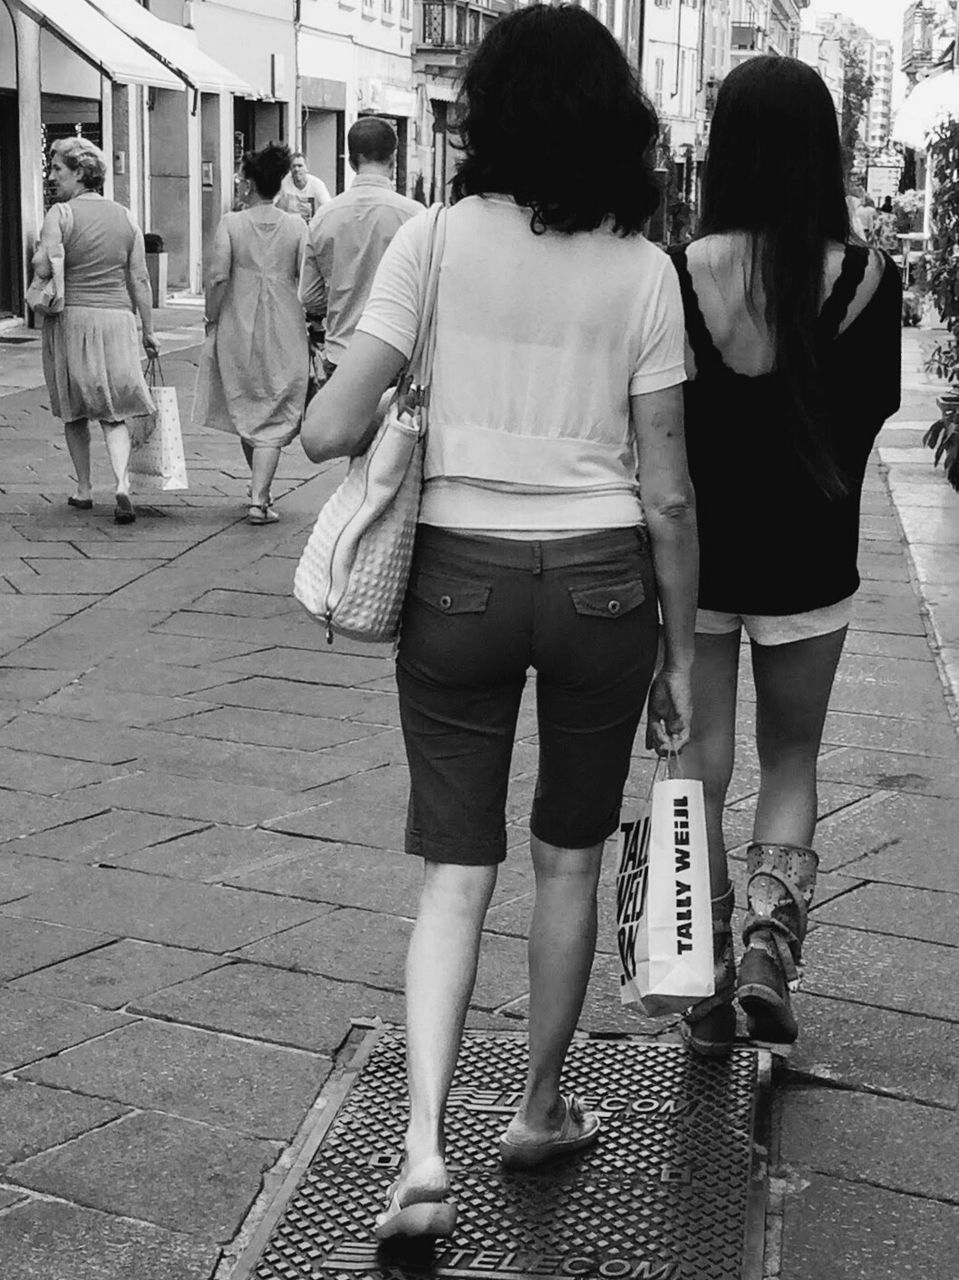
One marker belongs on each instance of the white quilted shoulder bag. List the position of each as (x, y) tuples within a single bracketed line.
[(353, 572)]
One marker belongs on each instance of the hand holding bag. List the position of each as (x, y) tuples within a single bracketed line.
[(157, 460), (353, 572), (663, 914)]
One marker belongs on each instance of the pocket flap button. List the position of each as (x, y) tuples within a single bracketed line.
[(613, 606), (446, 602)]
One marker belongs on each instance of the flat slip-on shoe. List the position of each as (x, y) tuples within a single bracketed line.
[(579, 1129), (418, 1220), (123, 512), (81, 504)]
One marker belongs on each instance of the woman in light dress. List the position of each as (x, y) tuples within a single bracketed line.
[(253, 376), (91, 356)]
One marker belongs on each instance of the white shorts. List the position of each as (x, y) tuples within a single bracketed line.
[(772, 629)]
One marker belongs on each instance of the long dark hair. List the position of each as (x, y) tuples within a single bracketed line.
[(551, 113), (774, 170)]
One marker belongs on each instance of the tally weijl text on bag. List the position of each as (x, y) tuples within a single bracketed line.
[(663, 920)]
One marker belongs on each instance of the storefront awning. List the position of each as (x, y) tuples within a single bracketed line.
[(931, 103), (172, 46), (99, 42)]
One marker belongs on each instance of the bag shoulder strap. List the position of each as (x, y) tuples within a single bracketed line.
[(420, 365)]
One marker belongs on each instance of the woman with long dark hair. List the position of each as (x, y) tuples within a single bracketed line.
[(559, 359), (793, 340)]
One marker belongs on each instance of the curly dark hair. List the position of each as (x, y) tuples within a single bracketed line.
[(267, 167), (551, 113)]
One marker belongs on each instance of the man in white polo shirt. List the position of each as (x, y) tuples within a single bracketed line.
[(300, 191), (349, 236)]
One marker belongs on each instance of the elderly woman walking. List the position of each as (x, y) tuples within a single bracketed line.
[(91, 357)]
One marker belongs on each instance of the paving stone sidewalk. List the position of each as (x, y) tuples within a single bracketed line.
[(202, 883)]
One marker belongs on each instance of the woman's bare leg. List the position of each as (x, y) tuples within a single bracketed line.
[(77, 435), (265, 462), (117, 439), (793, 684), (440, 974), (562, 942), (712, 746)]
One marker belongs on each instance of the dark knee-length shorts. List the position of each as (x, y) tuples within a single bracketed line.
[(479, 613)]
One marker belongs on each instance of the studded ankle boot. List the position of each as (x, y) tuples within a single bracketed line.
[(709, 1028), (782, 878)]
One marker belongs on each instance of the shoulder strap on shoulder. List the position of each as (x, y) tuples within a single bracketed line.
[(704, 349), (851, 276)]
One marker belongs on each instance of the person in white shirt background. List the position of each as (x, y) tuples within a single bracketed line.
[(556, 383), (350, 234), (301, 191)]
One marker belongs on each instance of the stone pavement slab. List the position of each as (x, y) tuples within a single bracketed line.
[(174, 1173), (877, 1050), (923, 914), (23, 814), (159, 909), (26, 945), (902, 1146), (50, 1240), (100, 838), (32, 1027), (21, 874), (269, 728), (167, 793), (893, 973), (34, 1118), (47, 775), (112, 974), (854, 1231), (298, 1010), (254, 1089), (217, 854)]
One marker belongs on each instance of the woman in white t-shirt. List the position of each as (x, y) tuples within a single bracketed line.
[(557, 380)]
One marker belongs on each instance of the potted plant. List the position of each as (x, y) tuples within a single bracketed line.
[(942, 260)]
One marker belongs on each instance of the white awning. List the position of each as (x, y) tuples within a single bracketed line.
[(99, 42), (173, 47), (933, 101)]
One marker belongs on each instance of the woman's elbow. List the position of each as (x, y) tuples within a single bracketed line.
[(671, 507)]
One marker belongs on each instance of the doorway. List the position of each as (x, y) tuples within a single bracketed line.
[(11, 290)]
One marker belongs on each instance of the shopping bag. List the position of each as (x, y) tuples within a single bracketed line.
[(157, 461), (46, 297), (664, 929)]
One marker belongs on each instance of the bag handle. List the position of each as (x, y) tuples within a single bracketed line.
[(154, 372), (419, 368)]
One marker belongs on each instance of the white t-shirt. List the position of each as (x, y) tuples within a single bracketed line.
[(541, 340), (303, 200)]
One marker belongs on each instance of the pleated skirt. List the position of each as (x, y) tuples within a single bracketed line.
[(91, 363)]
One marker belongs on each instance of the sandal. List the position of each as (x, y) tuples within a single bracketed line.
[(81, 504), (427, 1214), (261, 514), (579, 1129)]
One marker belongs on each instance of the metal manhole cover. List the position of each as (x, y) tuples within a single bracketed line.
[(675, 1189)]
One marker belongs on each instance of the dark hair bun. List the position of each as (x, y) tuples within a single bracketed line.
[(267, 167)]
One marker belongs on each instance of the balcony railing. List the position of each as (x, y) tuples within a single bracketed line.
[(746, 37), (453, 26)]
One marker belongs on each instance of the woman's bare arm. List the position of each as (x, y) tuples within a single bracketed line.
[(670, 506), (343, 416), (141, 294)]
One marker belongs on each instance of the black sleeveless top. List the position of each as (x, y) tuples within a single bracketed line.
[(770, 541)]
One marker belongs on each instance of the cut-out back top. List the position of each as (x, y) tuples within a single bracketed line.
[(771, 542)]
